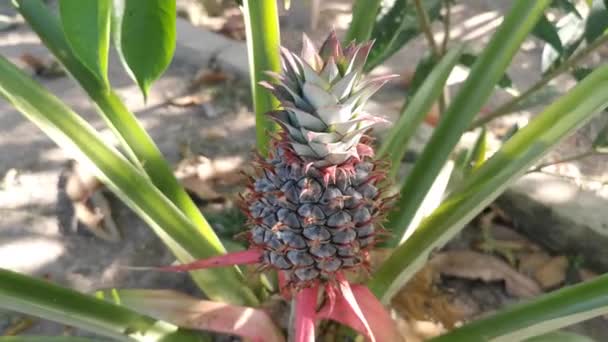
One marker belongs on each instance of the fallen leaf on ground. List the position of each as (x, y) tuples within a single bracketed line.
[(552, 273), (478, 266), (586, 274), (529, 263), (190, 100), (412, 330), (234, 27), (91, 208), (204, 177), (209, 77), (422, 300), (201, 189), (42, 68)]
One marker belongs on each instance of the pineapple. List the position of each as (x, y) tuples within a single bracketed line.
[(316, 202), (315, 205)]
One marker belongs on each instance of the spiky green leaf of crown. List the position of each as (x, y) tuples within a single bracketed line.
[(322, 96)]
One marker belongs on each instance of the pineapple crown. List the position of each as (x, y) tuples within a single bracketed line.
[(322, 95)]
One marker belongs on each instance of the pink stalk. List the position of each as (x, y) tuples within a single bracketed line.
[(305, 314), (357, 307), (346, 310), (247, 257)]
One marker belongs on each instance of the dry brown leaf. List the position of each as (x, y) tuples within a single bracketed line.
[(96, 216), (552, 273), (422, 300), (473, 265), (529, 263), (47, 69), (203, 177), (201, 189), (209, 77), (234, 27), (586, 274), (80, 183), (91, 208), (412, 330), (190, 100)]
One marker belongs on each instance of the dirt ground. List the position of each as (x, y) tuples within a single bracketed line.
[(36, 234)]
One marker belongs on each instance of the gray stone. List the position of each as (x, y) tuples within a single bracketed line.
[(560, 215)]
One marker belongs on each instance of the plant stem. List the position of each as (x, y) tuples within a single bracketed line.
[(445, 96), (446, 27), (577, 156), (425, 25), (510, 106)]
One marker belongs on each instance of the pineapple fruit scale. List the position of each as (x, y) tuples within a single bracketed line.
[(315, 204)]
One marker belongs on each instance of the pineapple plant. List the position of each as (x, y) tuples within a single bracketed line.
[(315, 204)]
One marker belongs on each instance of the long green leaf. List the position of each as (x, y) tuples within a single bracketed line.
[(144, 35), (478, 190), (86, 24), (364, 18), (263, 39), (412, 114), (549, 312), (43, 299), (48, 28), (486, 72), (72, 133), (137, 144)]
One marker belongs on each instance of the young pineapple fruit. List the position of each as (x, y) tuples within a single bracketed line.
[(315, 204)]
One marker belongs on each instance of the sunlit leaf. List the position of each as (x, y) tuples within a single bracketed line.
[(364, 19), (43, 299), (85, 145), (485, 73), (415, 110), (86, 24), (193, 313), (144, 35), (478, 190), (136, 144), (549, 312)]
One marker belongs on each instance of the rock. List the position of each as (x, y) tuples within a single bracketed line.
[(559, 215)]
